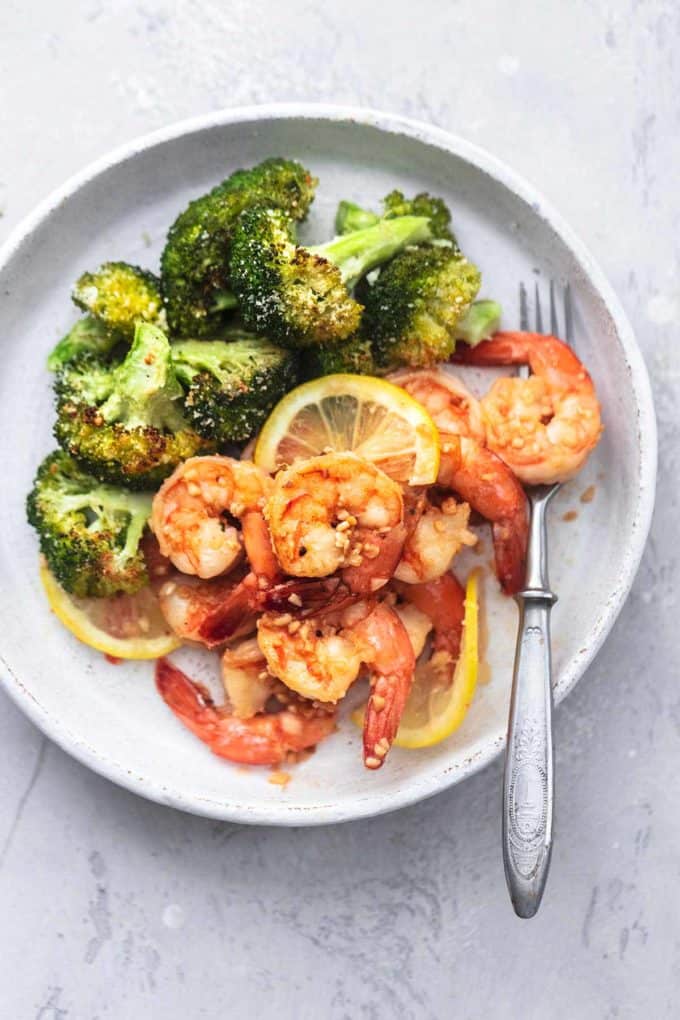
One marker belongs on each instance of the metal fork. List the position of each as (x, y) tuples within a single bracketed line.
[(528, 784)]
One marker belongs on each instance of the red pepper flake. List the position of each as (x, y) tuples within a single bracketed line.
[(114, 660)]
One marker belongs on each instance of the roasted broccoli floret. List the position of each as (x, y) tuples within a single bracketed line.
[(87, 335), (423, 204), (354, 356), (194, 264), (351, 216), (479, 322), (413, 308), (119, 295), (232, 385), (300, 296), (89, 533), (123, 422)]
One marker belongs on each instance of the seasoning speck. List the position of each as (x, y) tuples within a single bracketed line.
[(570, 515), (281, 779)]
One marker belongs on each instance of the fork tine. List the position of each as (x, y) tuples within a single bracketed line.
[(523, 308), (568, 316), (537, 309), (523, 370), (554, 324)]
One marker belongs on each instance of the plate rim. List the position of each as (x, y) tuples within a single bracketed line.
[(372, 804)]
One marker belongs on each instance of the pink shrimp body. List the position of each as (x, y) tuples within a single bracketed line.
[(213, 611), (264, 739), (543, 427), (437, 537), (443, 602), (475, 473), (334, 512), (480, 477), (321, 657), (192, 510)]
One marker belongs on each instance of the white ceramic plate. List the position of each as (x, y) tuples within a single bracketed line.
[(120, 208)]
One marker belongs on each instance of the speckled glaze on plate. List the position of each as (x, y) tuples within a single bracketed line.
[(111, 718)]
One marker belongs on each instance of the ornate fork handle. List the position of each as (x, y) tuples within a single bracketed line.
[(528, 779)]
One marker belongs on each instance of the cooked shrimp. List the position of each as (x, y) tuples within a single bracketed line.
[(543, 427), (247, 683), (318, 657), (392, 665), (322, 657), (475, 473), (480, 477), (416, 624), (337, 511), (195, 512), (443, 602), (435, 540), (264, 739), (210, 612), (454, 410)]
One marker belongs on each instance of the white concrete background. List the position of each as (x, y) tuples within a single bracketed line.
[(111, 907)]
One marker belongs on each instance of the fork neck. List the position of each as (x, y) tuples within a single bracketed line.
[(537, 583)]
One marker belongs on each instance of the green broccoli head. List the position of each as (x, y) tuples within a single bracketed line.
[(120, 295), (123, 422), (87, 335), (423, 204), (89, 533), (194, 264), (232, 386), (300, 296), (292, 296), (413, 308), (353, 356)]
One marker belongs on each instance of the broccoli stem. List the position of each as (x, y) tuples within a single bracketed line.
[(357, 253), (479, 322), (146, 391), (114, 501), (351, 216)]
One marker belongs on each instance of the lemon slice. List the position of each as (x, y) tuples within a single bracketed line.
[(432, 713), (367, 416), (122, 626)]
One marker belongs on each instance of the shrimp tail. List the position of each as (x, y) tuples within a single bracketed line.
[(261, 740), (392, 664), (490, 487), (234, 616), (258, 546), (190, 701), (503, 348), (543, 351), (443, 600), (378, 567), (307, 596), (381, 724), (510, 538)]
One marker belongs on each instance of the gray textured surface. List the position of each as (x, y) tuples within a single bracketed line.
[(113, 907)]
